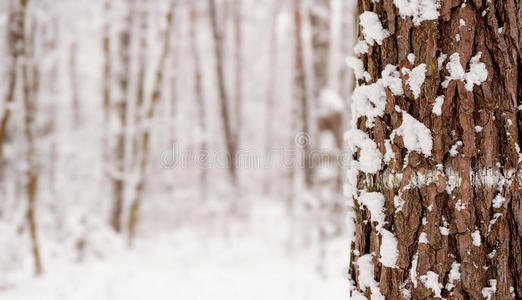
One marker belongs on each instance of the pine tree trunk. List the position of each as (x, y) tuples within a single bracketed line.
[(436, 176)]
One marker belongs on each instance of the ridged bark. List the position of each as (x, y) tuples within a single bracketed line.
[(488, 162)]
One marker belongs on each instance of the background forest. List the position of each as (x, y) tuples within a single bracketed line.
[(173, 149)]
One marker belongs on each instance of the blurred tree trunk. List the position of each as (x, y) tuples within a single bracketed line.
[(301, 94), (28, 94), (106, 78), (145, 135), (238, 70), (118, 179), (200, 98), (15, 37), (271, 91), (75, 95), (217, 34), (456, 209)]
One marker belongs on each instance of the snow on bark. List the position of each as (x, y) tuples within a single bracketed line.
[(388, 251), (418, 10), (372, 28), (416, 136)]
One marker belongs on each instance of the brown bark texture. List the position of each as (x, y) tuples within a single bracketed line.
[(448, 196)]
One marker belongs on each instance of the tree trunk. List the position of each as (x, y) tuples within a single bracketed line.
[(31, 173), (145, 139), (15, 37), (271, 92), (223, 98), (118, 179), (436, 175), (300, 93), (200, 98)]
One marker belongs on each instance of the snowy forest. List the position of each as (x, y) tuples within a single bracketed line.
[(260, 149)]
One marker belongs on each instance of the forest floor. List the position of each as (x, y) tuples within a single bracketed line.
[(191, 263)]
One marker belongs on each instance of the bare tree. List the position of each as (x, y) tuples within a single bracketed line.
[(31, 173), (15, 38), (223, 98), (436, 187), (118, 180), (145, 136), (200, 98), (271, 89)]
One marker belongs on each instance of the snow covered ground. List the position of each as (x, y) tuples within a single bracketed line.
[(192, 263)]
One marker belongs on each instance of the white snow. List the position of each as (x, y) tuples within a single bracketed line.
[(372, 28), (437, 106), (476, 75), (498, 201), (374, 202), (370, 158), (459, 205), (389, 252), (416, 136), (476, 238), (431, 281), (413, 270), (366, 273), (462, 23), (416, 78), (489, 292), (478, 129), (423, 238), (411, 58), (419, 10), (369, 101), (454, 275), (331, 102), (477, 72), (357, 65), (360, 48), (392, 80)]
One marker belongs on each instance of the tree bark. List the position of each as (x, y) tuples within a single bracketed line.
[(455, 209)]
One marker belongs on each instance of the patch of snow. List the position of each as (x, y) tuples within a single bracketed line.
[(372, 28), (413, 270), (366, 273), (476, 75), (454, 275), (498, 201), (416, 78), (431, 281), (459, 205), (419, 10), (416, 136), (370, 158), (489, 292), (360, 48), (358, 68), (476, 238), (423, 238), (389, 252), (369, 101), (392, 80), (437, 106), (374, 202)]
